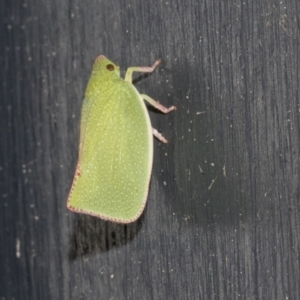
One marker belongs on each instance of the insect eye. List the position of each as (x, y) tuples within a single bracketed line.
[(110, 67)]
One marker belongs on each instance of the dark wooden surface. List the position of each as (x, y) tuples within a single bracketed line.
[(223, 213)]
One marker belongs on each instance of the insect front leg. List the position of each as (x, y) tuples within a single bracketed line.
[(128, 75)]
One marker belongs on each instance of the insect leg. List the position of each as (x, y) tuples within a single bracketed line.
[(130, 70), (157, 105), (159, 136)]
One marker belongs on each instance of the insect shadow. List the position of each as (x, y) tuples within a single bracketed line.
[(93, 235), (140, 78)]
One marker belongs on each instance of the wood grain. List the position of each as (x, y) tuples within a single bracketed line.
[(223, 213)]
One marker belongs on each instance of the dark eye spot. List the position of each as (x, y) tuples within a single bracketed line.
[(110, 67)]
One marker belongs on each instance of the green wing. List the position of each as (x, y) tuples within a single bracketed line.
[(115, 156)]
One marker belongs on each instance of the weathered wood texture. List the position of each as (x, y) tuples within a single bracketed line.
[(223, 213)]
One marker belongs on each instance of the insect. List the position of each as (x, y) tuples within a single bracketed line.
[(114, 165)]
